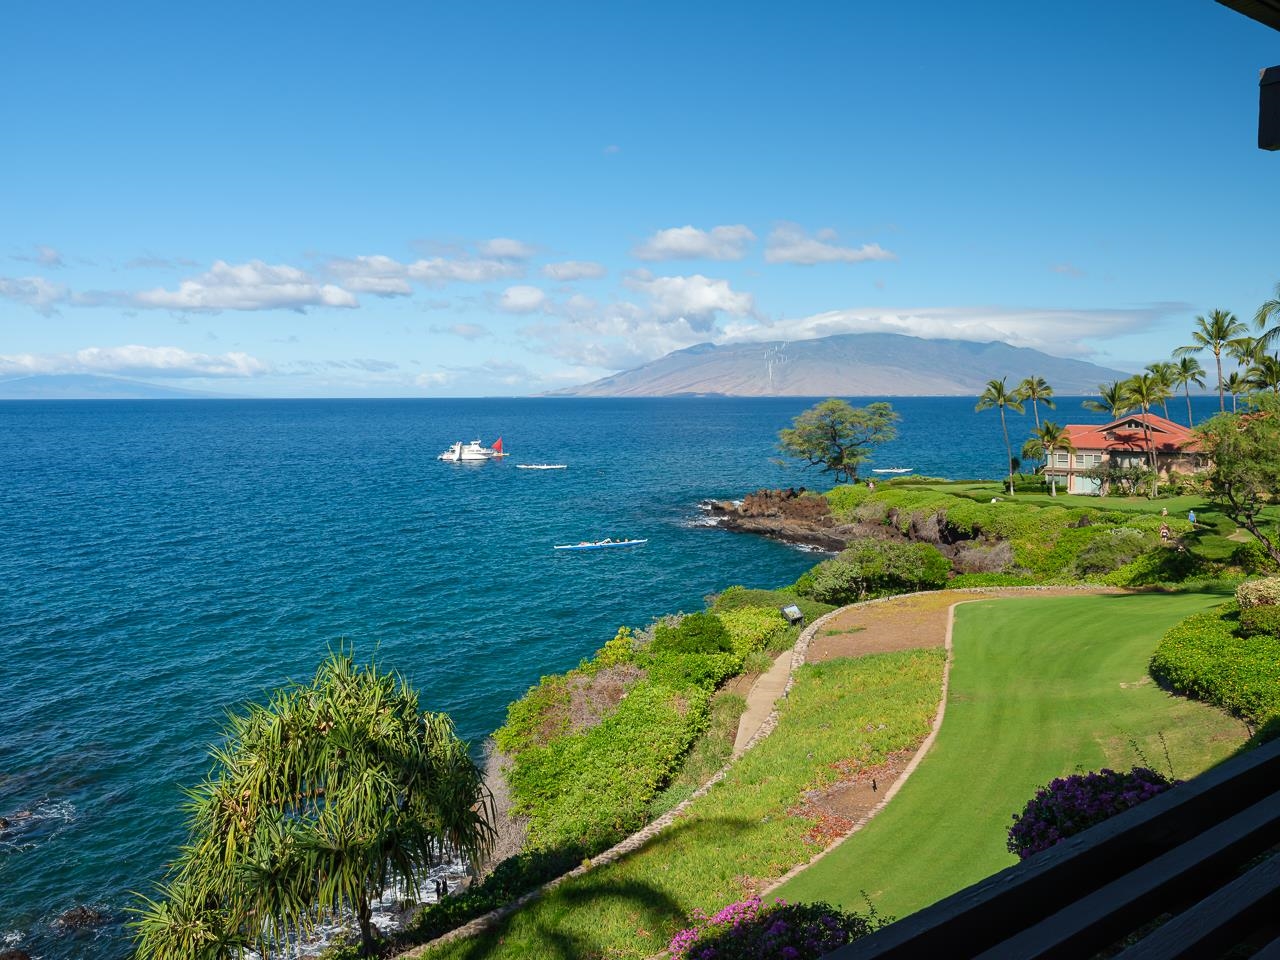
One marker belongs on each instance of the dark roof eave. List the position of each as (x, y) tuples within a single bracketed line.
[(1266, 12)]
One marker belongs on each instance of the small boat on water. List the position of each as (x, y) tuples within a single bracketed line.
[(600, 544), (540, 466), (472, 452), (891, 469)]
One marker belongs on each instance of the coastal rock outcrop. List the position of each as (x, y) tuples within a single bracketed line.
[(791, 516), (14, 955), (78, 918)]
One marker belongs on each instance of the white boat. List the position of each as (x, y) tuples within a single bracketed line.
[(472, 452), (891, 470), (540, 466), (600, 544)]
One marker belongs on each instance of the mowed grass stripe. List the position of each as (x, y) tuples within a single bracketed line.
[(864, 708), (1040, 687)]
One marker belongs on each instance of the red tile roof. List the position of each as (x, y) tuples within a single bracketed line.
[(1167, 436)]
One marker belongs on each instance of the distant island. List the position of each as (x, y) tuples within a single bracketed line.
[(87, 386), (853, 364)]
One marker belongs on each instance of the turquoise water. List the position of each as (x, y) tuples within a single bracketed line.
[(162, 561)]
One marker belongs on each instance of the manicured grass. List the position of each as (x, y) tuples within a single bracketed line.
[(865, 708), (1040, 687)]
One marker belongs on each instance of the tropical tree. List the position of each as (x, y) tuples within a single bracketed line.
[(317, 802), (1186, 372), (1270, 310), (1047, 438), (1236, 384), (1164, 371), (1037, 390), (1144, 390), (1264, 374), (838, 437), (1244, 451), (1246, 350), (999, 396), (1215, 333), (1112, 399)]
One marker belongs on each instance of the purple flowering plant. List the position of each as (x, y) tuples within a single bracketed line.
[(1071, 804), (752, 930)]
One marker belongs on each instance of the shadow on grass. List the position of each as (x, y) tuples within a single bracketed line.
[(547, 928)]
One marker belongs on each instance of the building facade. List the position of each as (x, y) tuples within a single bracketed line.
[(1101, 452)]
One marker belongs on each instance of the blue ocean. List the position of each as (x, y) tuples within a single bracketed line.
[(163, 561)]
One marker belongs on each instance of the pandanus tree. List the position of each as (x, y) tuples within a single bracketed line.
[(317, 802), (1186, 372), (1037, 390), (999, 396), (1047, 438), (1215, 333), (1112, 399)]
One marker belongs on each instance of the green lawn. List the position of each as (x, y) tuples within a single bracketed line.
[(1040, 687)]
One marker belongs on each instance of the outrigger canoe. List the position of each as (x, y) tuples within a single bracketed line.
[(599, 544)]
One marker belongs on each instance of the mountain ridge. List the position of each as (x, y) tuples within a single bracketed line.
[(847, 364)]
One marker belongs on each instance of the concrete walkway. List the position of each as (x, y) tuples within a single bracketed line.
[(761, 698)]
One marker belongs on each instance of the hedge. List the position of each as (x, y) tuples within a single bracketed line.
[(1205, 657)]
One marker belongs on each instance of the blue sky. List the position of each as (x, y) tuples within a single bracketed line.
[(394, 199)]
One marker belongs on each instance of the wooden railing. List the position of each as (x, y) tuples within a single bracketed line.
[(1189, 873)]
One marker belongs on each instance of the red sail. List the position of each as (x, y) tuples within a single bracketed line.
[(497, 445)]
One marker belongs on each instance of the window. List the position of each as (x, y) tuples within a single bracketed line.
[(1097, 459), (1079, 459), (1062, 459)]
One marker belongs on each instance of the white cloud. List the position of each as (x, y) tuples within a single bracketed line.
[(379, 275), (467, 331), (788, 243), (1062, 332), (694, 299), (135, 360), (690, 243), (437, 271), (248, 286), (504, 248), (522, 299), (1067, 270), (568, 270), (43, 255), (439, 378), (35, 292)]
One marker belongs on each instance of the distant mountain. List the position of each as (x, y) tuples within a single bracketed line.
[(846, 365), (83, 386)]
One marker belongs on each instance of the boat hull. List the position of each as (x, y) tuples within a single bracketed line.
[(600, 546)]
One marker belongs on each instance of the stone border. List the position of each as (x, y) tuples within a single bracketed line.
[(798, 654)]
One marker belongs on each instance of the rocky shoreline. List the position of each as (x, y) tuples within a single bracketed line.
[(789, 516)]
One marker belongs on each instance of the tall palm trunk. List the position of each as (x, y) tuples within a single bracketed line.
[(1151, 453), (1008, 451), (1222, 400), (1186, 386), (1035, 410)]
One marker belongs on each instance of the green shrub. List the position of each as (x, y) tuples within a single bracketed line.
[(1260, 621), (1102, 554), (541, 715), (874, 568), (1252, 558), (1161, 565), (1204, 657), (619, 650), (1259, 593), (753, 628), (693, 633), (594, 787), (705, 670), (735, 598)]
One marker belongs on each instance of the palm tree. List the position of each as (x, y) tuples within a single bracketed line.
[(1037, 390), (1216, 333), (1268, 311), (1236, 384), (1245, 350), (1186, 372), (1047, 438), (1145, 390), (1264, 374), (1165, 372), (998, 395), (1112, 399)]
